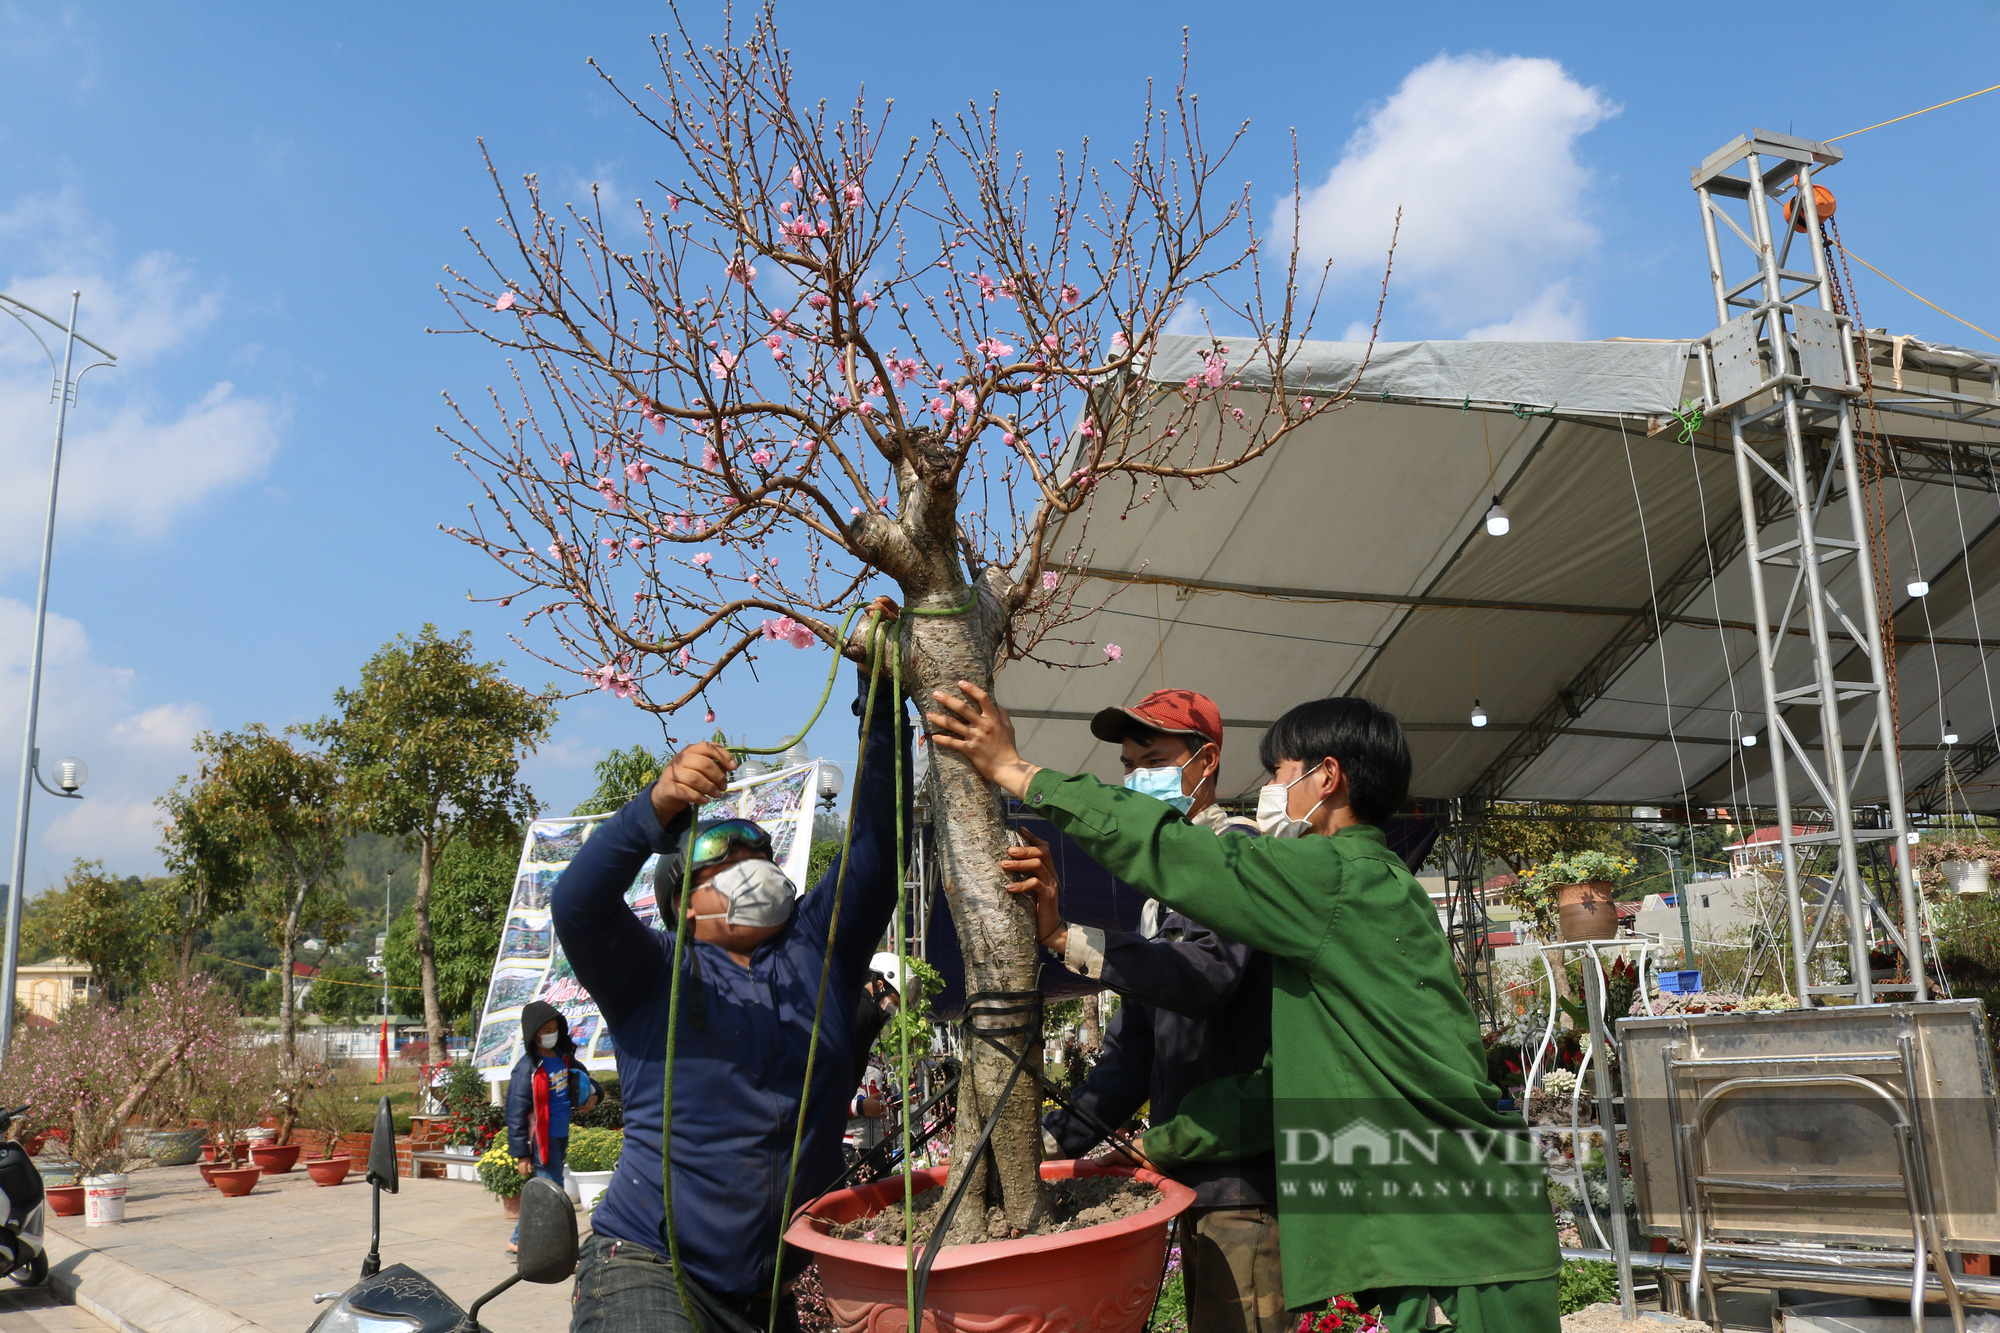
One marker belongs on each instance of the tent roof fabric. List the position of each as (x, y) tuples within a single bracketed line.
[(1606, 635)]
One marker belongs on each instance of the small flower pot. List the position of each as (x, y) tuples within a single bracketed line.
[(1585, 911), (274, 1158), (234, 1184), (66, 1200), (328, 1170), (208, 1152), (511, 1205)]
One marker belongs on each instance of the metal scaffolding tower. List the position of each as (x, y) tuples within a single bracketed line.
[(1782, 365)]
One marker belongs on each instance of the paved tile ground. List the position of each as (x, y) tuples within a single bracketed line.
[(38, 1311), (263, 1257)]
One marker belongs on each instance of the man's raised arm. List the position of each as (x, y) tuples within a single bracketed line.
[(616, 955)]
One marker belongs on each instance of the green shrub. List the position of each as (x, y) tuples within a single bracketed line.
[(1585, 1282), (595, 1149)]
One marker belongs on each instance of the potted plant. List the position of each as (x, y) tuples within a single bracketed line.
[(1578, 887), (593, 1159), (232, 1094), (323, 1117), (470, 1118), (1956, 864), (498, 1174)]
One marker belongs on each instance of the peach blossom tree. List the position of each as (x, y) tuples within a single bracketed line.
[(821, 357)]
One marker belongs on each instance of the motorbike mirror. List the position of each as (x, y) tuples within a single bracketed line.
[(548, 1233), (382, 1149)]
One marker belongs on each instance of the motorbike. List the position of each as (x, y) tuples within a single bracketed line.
[(398, 1299), (22, 1256)]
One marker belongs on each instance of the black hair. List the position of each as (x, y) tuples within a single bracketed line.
[(1367, 740)]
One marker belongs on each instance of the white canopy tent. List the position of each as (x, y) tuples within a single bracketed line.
[(1606, 635)]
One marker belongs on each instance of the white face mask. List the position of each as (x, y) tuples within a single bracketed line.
[(1274, 806), (549, 1040), (759, 894), (1163, 784)]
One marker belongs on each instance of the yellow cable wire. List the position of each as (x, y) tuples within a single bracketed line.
[(1848, 251), (316, 980), (1879, 124)]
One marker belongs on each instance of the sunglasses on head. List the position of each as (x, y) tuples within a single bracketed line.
[(712, 844)]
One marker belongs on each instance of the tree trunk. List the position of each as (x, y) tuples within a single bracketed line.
[(427, 854), (996, 933), (1090, 1024), (288, 952)]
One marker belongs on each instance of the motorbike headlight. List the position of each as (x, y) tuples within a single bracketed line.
[(344, 1318)]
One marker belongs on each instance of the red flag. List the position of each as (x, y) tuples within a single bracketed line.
[(382, 1053)]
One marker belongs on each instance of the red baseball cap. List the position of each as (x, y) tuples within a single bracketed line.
[(1179, 712)]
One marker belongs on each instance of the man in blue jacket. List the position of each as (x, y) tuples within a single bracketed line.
[(749, 985)]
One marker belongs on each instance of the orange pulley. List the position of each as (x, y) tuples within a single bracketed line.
[(1822, 200)]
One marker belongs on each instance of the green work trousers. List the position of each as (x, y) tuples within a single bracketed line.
[(1498, 1307)]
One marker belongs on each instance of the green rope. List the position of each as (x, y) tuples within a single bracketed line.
[(878, 647), (902, 1024)]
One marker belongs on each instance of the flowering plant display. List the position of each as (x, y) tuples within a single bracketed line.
[(1341, 1315), (822, 359), (498, 1173), (100, 1064)]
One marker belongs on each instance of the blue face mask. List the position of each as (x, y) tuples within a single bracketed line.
[(1162, 784)]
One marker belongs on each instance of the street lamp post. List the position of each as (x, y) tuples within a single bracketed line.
[(1680, 898), (72, 773)]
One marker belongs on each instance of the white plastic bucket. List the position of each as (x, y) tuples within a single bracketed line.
[(104, 1199)]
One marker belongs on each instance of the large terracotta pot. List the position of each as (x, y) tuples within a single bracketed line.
[(66, 1200), (1102, 1278), (274, 1158), (234, 1184), (328, 1170), (1585, 911)]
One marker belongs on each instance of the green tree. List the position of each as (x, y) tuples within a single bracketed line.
[(344, 993), (620, 774), (282, 805), (468, 910), (431, 744), (212, 867), (110, 923)]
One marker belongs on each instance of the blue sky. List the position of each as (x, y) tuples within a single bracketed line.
[(258, 203)]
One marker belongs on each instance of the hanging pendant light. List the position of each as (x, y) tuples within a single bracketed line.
[(1749, 740), (1496, 520), (1920, 587), (1950, 735), (1478, 714)]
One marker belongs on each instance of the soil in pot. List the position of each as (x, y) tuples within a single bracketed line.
[(234, 1184), (275, 1159), (328, 1170), (66, 1200), (1083, 1202)]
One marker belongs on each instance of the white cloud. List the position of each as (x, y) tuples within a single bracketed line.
[(1479, 152), (138, 454), (1554, 316), (89, 709)]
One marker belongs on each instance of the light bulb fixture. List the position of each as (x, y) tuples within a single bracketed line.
[(1920, 588), (1478, 714), (1496, 520), (1950, 735), (1749, 740)]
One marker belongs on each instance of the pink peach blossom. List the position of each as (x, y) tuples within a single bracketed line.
[(703, 558), (504, 302), (1113, 651), (1049, 580)]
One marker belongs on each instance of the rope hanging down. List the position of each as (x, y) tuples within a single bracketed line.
[(882, 648)]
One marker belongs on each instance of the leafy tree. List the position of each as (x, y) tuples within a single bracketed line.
[(110, 923), (468, 910), (344, 993), (620, 774), (431, 745), (212, 867), (235, 951), (282, 805)]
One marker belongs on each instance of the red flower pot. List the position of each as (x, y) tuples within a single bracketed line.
[(234, 1184), (275, 1158), (208, 1151), (66, 1200), (328, 1170), (1103, 1278)]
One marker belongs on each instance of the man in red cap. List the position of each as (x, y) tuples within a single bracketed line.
[(1198, 1007)]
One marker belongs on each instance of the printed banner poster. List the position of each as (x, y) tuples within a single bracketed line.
[(531, 966)]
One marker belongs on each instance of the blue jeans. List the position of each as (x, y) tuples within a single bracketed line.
[(549, 1170), (627, 1288)]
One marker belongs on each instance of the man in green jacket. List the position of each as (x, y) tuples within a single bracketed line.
[(1399, 1178)]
